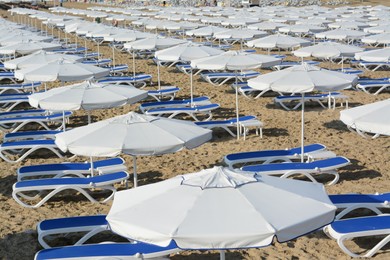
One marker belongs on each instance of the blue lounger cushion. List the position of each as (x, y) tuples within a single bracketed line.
[(184, 102), (338, 161), (31, 133), (340, 200), (163, 91), (35, 117), (27, 143), (109, 250), (22, 112), (71, 222), (197, 108), (258, 155), (354, 225), (225, 122)]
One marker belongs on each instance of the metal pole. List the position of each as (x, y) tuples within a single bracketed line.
[(135, 171), (303, 127), (237, 115)]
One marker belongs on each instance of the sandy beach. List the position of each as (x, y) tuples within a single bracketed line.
[(368, 172)]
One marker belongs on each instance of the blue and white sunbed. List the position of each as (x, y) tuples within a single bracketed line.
[(174, 103), (186, 68), (288, 64), (225, 124), (30, 135), (8, 104), (100, 62), (351, 202), (164, 93), (373, 66), (295, 101), (325, 166), (17, 151), (8, 75), (352, 228), (21, 113), (19, 88), (138, 80), (220, 78), (56, 185), (108, 251), (79, 169), (14, 124), (270, 156), (249, 92), (194, 112), (118, 70), (373, 86)]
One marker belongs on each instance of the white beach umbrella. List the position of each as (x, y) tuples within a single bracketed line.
[(236, 61), (87, 96), (378, 29), (133, 134), (239, 34), (303, 79), (301, 29), (341, 35), (205, 31), (154, 43), (371, 118), (278, 41), (185, 52), (128, 36), (377, 55), (376, 39), (28, 47), (11, 39), (39, 58), (62, 71), (218, 208), (266, 26)]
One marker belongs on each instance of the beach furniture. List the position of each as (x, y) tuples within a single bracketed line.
[(139, 80), (19, 88), (186, 68), (99, 62), (79, 169), (373, 66), (19, 113), (308, 169), (17, 151), (136, 250), (78, 50), (220, 78), (352, 228), (9, 103), (30, 135), (351, 202), (118, 70), (9, 76), (22, 190), (312, 151), (164, 93), (374, 86), (14, 124), (249, 92), (288, 64), (295, 101), (226, 124), (174, 103), (194, 112)]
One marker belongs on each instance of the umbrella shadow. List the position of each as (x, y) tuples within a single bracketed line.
[(337, 125), (275, 132), (19, 245), (149, 177), (206, 255), (6, 186), (354, 171)]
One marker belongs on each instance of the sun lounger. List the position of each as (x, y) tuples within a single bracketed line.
[(186, 68), (138, 80), (288, 64), (351, 202), (174, 103), (194, 112), (349, 71), (100, 62), (19, 88), (295, 101), (8, 76), (373, 86), (78, 50), (220, 78), (232, 123), (14, 124), (20, 113), (352, 228), (78, 169), (373, 66), (56, 185), (7, 104), (118, 70), (30, 135), (270, 156), (91, 225), (108, 251), (17, 151), (164, 93), (249, 92), (325, 166), (164, 63)]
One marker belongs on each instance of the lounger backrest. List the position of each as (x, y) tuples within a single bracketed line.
[(359, 198)]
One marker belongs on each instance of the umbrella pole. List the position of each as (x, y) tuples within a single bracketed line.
[(92, 170), (135, 171), (158, 75), (191, 86), (134, 64), (89, 117), (113, 56), (222, 254), (63, 120), (303, 127), (237, 115)]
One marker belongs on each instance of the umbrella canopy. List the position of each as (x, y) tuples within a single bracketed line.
[(62, 71), (154, 43), (341, 34), (133, 134), (278, 41), (383, 38), (205, 210), (28, 47), (205, 31), (328, 50), (186, 52), (377, 55), (39, 58), (370, 118), (88, 96), (302, 79), (14, 39)]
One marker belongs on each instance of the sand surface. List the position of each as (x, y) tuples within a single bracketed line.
[(368, 173)]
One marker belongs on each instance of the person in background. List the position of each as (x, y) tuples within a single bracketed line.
[(164, 3), (115, 23), (61, 1)]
